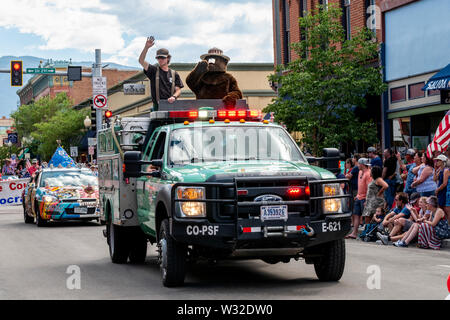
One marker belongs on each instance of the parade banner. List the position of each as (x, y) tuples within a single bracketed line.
[(11, 192)]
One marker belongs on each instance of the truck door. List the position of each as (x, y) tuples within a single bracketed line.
[(148, 186)]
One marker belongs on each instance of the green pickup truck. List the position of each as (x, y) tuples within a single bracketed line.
[(216, 183)]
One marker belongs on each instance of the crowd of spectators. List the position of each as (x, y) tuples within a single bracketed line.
[(400, 200)]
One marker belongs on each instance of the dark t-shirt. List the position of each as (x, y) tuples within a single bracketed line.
[(165, 82), (391, 165), (354, 179), (376, 162)]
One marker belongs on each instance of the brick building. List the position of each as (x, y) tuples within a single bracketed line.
[(356, 14), (49, 85)]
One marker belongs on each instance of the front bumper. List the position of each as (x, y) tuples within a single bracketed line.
[(66, 211), (254, 234)]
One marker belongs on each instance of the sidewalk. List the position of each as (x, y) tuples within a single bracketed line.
[(445, 243)]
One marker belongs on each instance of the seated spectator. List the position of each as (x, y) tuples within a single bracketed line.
[(379, 215), (427, 235), (402, 225), (424, 183), (374, 196), (420, 216), (401, 211)]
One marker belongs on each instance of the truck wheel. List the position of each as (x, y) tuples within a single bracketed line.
[(330, 266), (172, 257), (118, 243), (26, 217), (138, 250)]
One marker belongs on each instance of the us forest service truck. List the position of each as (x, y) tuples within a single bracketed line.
[(215, 182)]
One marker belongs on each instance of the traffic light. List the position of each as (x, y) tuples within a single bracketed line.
[(108, 115), (16, 73), (93, 119)]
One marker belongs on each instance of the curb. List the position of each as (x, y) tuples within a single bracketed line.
[(444, 246)]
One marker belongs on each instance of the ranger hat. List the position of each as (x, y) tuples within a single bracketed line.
[(163, 52), (214, 52)]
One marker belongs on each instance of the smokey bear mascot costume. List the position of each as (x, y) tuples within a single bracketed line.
[(209, 79)]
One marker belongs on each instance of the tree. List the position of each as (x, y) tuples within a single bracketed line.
[(48, 120), (318, 93)]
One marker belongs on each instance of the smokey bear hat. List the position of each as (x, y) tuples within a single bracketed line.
[(215, 52)]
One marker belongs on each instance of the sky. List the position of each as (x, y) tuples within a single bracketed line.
[(64, 29)]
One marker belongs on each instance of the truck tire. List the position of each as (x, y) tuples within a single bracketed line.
[(138, 248), (330, 266), (26, 217), (172, 257), (118, 242)]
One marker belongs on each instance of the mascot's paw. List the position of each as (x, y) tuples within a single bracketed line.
[(229, 100), (202, 67)]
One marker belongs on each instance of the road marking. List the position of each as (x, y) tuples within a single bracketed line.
[(443, 265)]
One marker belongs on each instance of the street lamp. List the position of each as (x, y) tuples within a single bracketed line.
[(87, 122)]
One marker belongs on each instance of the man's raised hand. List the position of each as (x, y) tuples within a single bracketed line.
[(150, 42)]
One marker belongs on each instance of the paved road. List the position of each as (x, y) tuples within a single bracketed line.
[(34, 261)]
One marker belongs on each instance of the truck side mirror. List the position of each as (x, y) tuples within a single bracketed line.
[(331, 157), (132, 164)]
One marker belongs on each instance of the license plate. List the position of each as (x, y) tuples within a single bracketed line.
[(80, 210), (274, 212)]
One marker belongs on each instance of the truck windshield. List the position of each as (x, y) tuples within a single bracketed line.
[(231, 143), (68, 179)]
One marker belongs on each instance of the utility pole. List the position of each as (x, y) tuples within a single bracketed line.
[(97, 72)]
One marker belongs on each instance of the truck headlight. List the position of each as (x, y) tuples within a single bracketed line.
[(332, 205), (192, 208)]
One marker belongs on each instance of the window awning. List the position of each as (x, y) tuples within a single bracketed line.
[(439, 81)]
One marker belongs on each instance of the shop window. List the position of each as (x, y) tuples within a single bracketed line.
[(286, 33), (433, 92), (346, 18), (401, 133), (415, 90), (398, 94)]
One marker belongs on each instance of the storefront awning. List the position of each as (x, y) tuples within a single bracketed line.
[(439, 81)]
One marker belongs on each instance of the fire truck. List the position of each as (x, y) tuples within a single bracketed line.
[(201, 180)]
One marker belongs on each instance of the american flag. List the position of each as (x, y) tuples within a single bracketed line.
[(441, 138), (28, 164)]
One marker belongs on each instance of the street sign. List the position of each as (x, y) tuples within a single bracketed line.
[(133, 89), (74, 151), (100, 101), (92, 141), (99, 86), (91, 150), (74, 73), (12, 137), (40, 70)]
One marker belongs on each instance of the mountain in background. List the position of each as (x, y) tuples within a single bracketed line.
[(9, 100)]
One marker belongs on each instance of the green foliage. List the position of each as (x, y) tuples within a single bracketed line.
[(6, 152), (318, 93), (48, 120)]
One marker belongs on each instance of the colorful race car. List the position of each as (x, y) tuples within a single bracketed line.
[(57, 194)]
